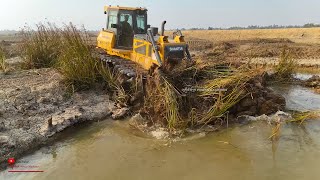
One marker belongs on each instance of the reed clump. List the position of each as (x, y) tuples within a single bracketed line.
[(171, 106), (69, 50), (162, 105), (286, 66), (76, 60), (3, 64), (41, 46)]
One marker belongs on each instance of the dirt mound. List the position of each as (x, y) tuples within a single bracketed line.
[(207, 95), (261, 100)]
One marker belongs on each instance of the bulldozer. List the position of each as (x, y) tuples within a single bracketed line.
[(129, 43)]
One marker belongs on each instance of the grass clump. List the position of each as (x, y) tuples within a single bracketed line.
[(301, 117), (68, 50), (238, 76), (223, 103), (3, 64), (171, 105), (287, 65), (76, 61), (41, 47), (162, 105)]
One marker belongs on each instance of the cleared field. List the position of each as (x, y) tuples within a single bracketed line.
[(299, 35), (10, 37), (233, 45), (256, 45)]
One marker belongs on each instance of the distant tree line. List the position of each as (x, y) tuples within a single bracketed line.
[(309, 25)]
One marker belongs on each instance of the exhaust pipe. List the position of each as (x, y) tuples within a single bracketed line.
[(155, 47), (162, 27)]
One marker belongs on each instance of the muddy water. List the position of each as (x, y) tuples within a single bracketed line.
[(298, 98), (109, 150)]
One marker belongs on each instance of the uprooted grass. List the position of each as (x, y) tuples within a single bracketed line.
[(165, 105), (171, 105), (224, 101), (161, 103), (301, 117), (297, 117), (240, 75)]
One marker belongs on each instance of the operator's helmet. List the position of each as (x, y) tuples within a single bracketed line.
[(126, 17)]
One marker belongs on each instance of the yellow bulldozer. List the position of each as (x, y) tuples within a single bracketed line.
[(128, 40)]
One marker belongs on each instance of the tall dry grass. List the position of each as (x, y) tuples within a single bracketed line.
[(3, 64), (286, 66), (162, 104), (171, 105), (69, 50), (76, 61), (2, 60), (41, 47)]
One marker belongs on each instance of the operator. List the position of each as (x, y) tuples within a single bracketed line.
[(127, 32)]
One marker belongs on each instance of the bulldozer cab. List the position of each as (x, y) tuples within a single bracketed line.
[(126, 23)]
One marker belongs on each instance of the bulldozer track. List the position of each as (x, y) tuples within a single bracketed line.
[(129, 73), (124, 67)]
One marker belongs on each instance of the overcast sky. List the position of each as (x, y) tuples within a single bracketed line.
[(178, 13)]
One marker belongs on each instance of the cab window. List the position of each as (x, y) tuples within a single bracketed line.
[(141, 24), (124, 17), (126, 30), (112, 18)]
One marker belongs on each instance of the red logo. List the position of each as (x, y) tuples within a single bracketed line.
[(11, 161)]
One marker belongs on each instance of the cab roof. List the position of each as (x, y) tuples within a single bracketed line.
[(106, 8)]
